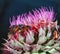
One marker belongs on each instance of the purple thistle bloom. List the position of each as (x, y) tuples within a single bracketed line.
[(33, 32), (30, 19)]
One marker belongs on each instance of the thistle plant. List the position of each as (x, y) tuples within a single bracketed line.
[(33, 34)]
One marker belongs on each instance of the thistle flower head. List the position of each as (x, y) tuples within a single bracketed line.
[(32, 33)]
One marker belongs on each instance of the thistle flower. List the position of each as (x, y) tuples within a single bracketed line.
[(33, 20), (33, 33)]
